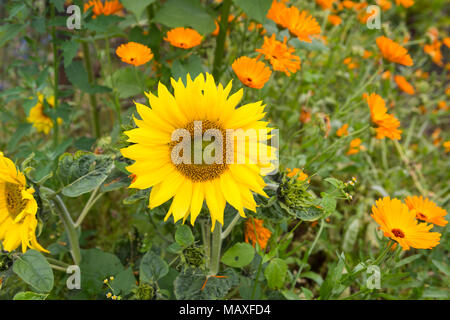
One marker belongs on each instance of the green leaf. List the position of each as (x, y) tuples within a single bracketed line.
[(83, 172), (96, 266), (59, 4), (77, 75), (30, 295), (185, 13), (136, 7), (239, 255), (442, 267), (192, 66), (275, 273), (350, 236), (152, 267), (188, 285), (127, 81), (33, 268), (332, 280), (9, 31), (69, 49), (124, 282), (255, 9), (184, 236)]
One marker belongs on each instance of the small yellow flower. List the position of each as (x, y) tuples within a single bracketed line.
[(109, 295)]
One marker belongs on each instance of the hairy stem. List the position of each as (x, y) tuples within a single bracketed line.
[(94, 106), (220, 41), (216, 247)]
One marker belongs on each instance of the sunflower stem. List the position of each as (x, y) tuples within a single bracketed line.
[(95, 116), (216, 247), (220, 41), (68, 225)]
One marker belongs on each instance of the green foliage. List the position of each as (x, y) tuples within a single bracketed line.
[(275, 273), (33, 268), (239, 255), (184, 236), (255, 9), (185, 13), (152, 268)]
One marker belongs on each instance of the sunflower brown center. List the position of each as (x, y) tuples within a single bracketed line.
[(398, 233), (202, 171), (14, 201)]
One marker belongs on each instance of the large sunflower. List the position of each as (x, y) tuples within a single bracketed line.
[(196, 109), (17, 209)]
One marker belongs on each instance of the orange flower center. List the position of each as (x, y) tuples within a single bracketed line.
[(421, 216), (398, 233)]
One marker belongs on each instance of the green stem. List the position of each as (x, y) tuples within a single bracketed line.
[(55, 80), (95, 116), (68, 225), (88, 206), (113, 82), (220, 41), (57, 262), (216, 247), (230, 226), (305, 258), (206, 235)]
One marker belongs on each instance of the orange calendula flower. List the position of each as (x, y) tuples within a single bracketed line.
[(280, 55), (446, 145), (342, 131), (404, 85), (426, 210), (384, 4), (355, 146), (184, 38), (334, 19), (387, 123), (99, 8), (305, 115), (393, 52), (256, 233), (405, 3), (349, 62), (276, 11), (300, 23), (367, 54), (446, 41), (434, 51), (251, 72), (134, 53), (297, 172), (325, 4), (399, 223)]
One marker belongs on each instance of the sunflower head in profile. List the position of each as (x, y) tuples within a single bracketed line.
[(17, 209), (40, 120), (399, 223), (195, 145)]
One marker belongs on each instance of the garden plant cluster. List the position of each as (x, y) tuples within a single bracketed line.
[(224, 149)]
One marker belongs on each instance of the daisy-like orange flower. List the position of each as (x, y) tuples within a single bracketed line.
[(399, 223), (393, 52), (446, 145), (434, 51), (325, 4), (387, 123), (355, 146), (350, 63), (99, 8), (446, 41), (134, 53), (184, 38), (256, 233), (276, 11), (384, 4), (405, 3), (335, 20), (404, 85), (300, 23), (426, 210), (280, 55), (342, 131), (305, 115), (251, 72), (297, 172)]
